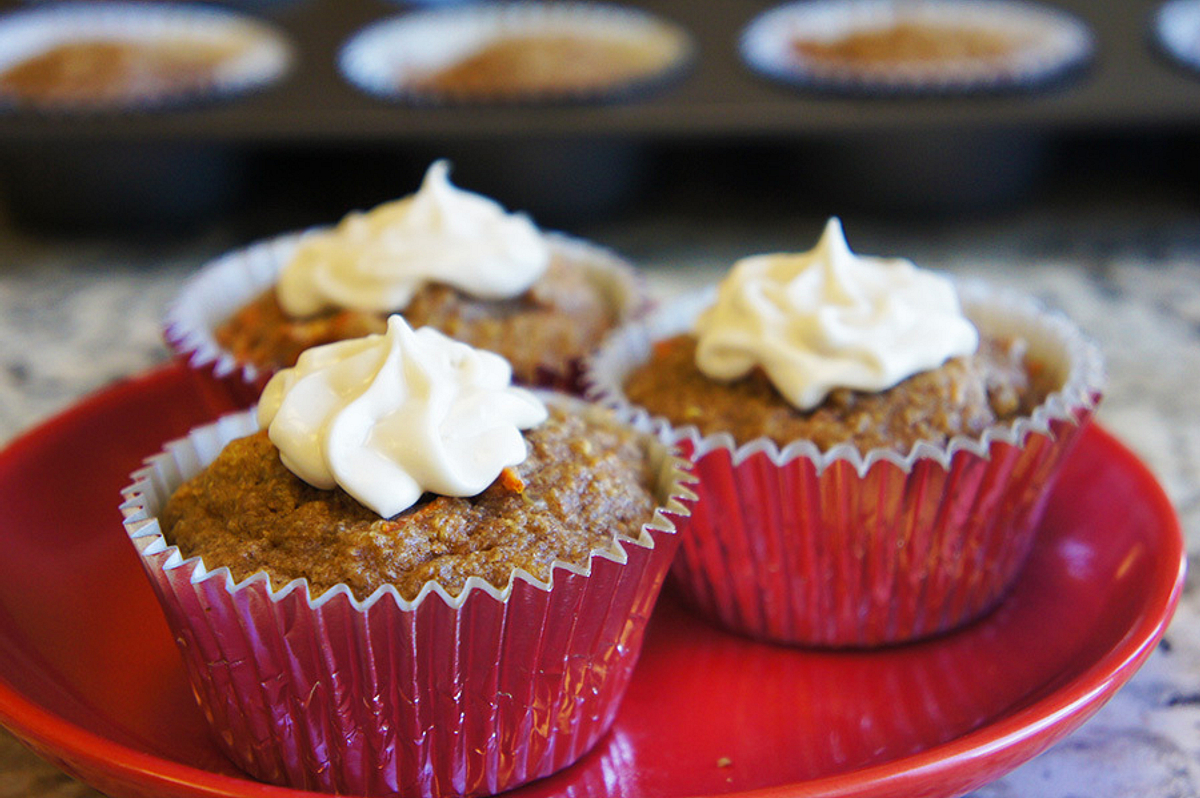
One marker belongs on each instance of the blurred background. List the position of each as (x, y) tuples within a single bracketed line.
[(308, 144)]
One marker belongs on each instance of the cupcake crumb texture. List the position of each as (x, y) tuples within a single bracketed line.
[(908, 41), (557, 321), (543, 64), (112, 71), (964, 396), (583, 482)]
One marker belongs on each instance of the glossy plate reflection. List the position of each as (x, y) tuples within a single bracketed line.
[(90, 678)]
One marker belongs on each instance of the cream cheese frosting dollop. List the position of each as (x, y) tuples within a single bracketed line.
[(827, 319), (375, 261), (389, 417)]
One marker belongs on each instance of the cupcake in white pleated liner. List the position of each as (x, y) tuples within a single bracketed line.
[(1176, 30), (919, 47), (845, 547), (122, 56), (466, 691), (234, 336), (523, 52)]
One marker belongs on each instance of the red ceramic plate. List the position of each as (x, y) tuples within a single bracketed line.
[(89, 676)]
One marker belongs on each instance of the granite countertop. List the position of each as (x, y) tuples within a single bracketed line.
[(77, 315)]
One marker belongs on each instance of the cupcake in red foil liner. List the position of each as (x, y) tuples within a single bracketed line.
[(517, 52), (419, 687), (806, 538), (124, 56), (444, 257), (921, 47)]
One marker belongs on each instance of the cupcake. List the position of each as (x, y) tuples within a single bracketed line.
[(443, 257), (125, 56), (516, 52), (873, 447), (928, 46), (402, 575)]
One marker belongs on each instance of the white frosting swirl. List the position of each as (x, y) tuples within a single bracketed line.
[(389, 417), (825, 319), (376, 261)]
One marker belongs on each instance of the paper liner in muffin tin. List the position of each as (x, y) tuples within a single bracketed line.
[(224, 285), (388, 58), (259, 55), (1176, 30), (850, 548), (1049, 44), (442, 695)]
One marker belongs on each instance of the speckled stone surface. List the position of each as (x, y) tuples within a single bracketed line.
[(76, 316)]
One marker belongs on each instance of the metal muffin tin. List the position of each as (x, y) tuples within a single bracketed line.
[(1129, 87), (1130, 83)]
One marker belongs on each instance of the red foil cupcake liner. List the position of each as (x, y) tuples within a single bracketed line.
[(842, 548), (799, 554), (224, 285), (464, 695)]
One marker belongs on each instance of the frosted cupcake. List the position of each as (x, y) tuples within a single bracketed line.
[(406, 576), (928, 46), (117, 56), (873, 456), (516, 52), (443, 257)]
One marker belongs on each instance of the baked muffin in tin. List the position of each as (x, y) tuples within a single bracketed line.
[(922, 47), (517, 52), (122, 56)]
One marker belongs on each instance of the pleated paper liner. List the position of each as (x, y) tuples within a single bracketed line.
[(846, 548), (443, 695), (224, 285)]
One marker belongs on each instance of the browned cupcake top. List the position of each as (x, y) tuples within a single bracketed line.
[(543, 331), (543, 64), (963, 397), (584, 481), (100, 70), (910, 41)]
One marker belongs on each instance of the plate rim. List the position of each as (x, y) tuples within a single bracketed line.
[(1027, 731)]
